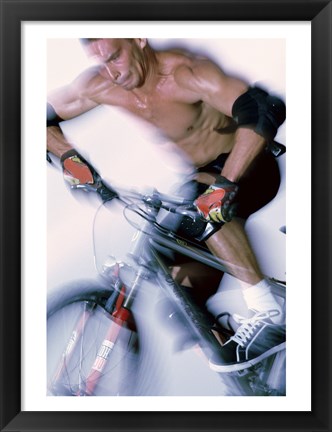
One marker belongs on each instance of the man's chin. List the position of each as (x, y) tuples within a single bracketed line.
[(132, 84), (128, 86)]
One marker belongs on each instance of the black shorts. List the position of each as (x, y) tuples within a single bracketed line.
[(257, 188)]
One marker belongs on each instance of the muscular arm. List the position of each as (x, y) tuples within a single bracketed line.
[(56, 142), (248, 145), (69, 102), (220, 91)]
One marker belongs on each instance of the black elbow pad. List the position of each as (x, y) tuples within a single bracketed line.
[(52, 117), (260, 111)]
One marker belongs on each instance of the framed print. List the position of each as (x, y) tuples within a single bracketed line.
[(46, 227)]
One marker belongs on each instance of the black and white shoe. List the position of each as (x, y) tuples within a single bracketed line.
[(256, 339)]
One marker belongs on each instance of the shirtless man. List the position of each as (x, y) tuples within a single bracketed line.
[(216, 121)]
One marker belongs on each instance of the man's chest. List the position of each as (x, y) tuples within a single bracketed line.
[(168, 109), (173, 116)]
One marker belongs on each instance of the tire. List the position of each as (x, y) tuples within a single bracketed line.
[(72, 346)]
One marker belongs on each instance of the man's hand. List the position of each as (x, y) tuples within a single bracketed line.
[(76, 170), (216, 204)]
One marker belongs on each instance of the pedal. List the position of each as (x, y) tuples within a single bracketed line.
[(241, 373), (253, 370)]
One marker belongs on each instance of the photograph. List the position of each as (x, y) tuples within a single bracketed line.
[(165, 236), (174, 153)]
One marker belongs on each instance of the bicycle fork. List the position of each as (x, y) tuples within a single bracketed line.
[(119, 318), (71, 346)]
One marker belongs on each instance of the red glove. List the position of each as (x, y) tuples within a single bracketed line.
[(216, 203), (76, 169)]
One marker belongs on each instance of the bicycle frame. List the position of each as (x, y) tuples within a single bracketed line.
[(150, 264), (153, 265)]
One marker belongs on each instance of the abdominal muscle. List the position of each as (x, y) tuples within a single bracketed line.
[(201, 142), (203, 147)]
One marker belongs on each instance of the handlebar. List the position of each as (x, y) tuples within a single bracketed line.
[(156, 200)]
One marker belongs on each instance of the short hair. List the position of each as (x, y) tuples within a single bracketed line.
[(87, 41)]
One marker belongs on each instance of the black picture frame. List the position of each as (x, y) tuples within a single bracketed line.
[(13, 13)]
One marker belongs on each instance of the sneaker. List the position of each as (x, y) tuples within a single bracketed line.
[(256, 338)]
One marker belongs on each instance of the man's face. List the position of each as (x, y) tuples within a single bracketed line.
[(122, 60)]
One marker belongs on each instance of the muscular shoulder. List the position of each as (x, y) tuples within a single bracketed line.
[(180, 69), (84, 93), (207, 80), (90, 83), (199, 75)]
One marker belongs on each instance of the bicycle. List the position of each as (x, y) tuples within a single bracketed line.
[(103, 323)]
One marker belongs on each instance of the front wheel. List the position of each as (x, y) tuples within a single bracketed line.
[(90, 349)]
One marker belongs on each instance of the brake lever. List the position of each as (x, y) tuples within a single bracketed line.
[(105, 192), (189, 211)]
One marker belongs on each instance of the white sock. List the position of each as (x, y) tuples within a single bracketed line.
[(260, 298)]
